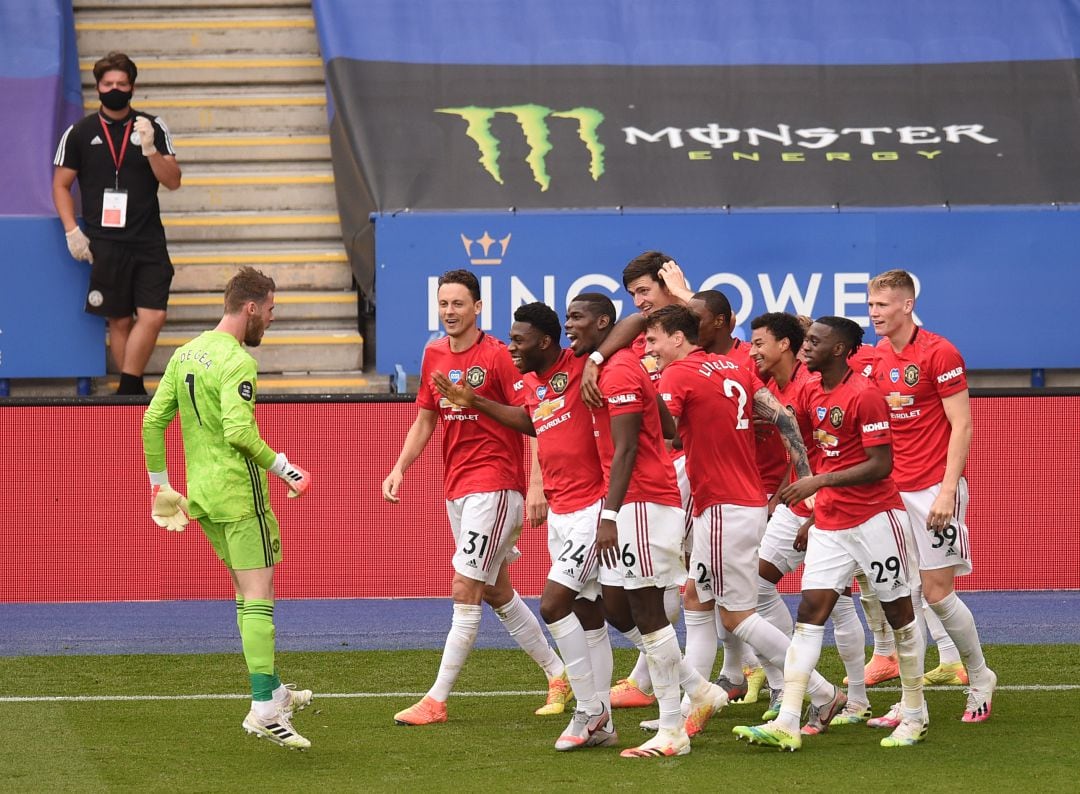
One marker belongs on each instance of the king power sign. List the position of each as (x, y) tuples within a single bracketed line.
[(809, 263)]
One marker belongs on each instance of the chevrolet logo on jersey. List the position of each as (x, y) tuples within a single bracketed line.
[(650, 363), (896, 400), (547, 409), (825, 438)]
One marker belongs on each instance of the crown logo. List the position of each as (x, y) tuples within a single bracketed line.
[(485, 243)]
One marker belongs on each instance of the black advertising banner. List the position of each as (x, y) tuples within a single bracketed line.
[(441, 136)]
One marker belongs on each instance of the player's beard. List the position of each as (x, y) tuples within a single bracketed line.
[(253, 333)]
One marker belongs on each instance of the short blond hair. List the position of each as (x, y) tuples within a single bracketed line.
[(248, 284), (893, 279)]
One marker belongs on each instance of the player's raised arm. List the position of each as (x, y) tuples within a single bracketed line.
[(462, 394), (767, 407)]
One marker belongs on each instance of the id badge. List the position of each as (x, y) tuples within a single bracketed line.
[(114, 209)]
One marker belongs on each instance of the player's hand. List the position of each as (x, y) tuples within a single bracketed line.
[(607, 543), (79, 245), (460, 394), (295, 477), (168, 508), (391, 485), (672, 277), (941, 511), (802, 537), (803, 488), (145, 128), (590, 388), (536, 506)]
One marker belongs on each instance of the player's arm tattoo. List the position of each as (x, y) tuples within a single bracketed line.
[(767, 407)]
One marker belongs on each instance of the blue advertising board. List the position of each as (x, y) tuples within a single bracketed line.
[(995, 282)]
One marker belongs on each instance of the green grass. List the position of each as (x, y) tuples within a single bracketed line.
[(490, 743)]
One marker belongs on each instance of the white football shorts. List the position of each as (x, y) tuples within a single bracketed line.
[(486, 526)]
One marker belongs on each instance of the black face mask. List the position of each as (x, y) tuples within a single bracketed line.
[(115, 99)]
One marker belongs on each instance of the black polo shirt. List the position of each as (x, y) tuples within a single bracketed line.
[(83, 148)]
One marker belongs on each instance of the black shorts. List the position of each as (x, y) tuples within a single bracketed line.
[(127, 276)]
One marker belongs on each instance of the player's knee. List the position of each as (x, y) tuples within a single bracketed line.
[(153, 319)]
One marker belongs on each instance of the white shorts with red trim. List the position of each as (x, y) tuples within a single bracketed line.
[(486, 526), (778, 545), (882, 547), (572, 544), (945, 549), (650, 548), (724, 563), (687, 502)]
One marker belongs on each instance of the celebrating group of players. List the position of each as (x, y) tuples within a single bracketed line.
[(662, 440)]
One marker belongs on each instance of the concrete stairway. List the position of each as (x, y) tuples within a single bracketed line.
[(241, 85)]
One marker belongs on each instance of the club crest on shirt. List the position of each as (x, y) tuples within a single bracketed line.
[(475, 376), (911, 374), (558, 382), (894, 374), (836, 416)]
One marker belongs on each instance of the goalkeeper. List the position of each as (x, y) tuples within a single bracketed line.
[(211, 381)]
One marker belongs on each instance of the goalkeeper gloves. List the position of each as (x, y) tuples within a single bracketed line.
[(295, 477), (168, 508)]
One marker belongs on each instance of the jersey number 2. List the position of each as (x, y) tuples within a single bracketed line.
[(733, 388)]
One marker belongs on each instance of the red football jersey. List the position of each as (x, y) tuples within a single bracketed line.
[(771, 456), (479, 454), (649, 362), (845, 421), (569, 461), (914, 382), (713, 397), (627, 389), (862, 362), (788, 397)]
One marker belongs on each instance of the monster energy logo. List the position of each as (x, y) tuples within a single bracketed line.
[(533, 121)]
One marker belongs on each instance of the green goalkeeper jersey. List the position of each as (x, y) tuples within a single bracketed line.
[(211, 381)]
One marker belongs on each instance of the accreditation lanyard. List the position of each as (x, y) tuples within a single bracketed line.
[(112, 149)]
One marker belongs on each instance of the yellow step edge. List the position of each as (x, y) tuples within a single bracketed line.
[(255, 259), (190, 143), (223, 102), (260, 179), (215, 63), (254, 220), (192, 24), (333, 339), (279, 297)]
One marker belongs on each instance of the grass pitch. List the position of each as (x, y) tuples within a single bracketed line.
[(186, 735)]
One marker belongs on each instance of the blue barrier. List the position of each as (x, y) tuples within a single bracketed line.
[(996, 282)]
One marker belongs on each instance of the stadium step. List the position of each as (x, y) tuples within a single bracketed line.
[(291, 226), (193, 31), (252, 148), (312, 309), (208, 266), (282, 349), (295, 110), (257, 189), (225, 70)]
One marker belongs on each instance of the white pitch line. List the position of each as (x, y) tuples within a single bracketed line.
[(501, 693)]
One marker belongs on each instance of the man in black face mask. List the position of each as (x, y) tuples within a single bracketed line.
[(120, 156)]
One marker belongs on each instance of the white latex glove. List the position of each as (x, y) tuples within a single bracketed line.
[(145, 128), (79, 245)]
